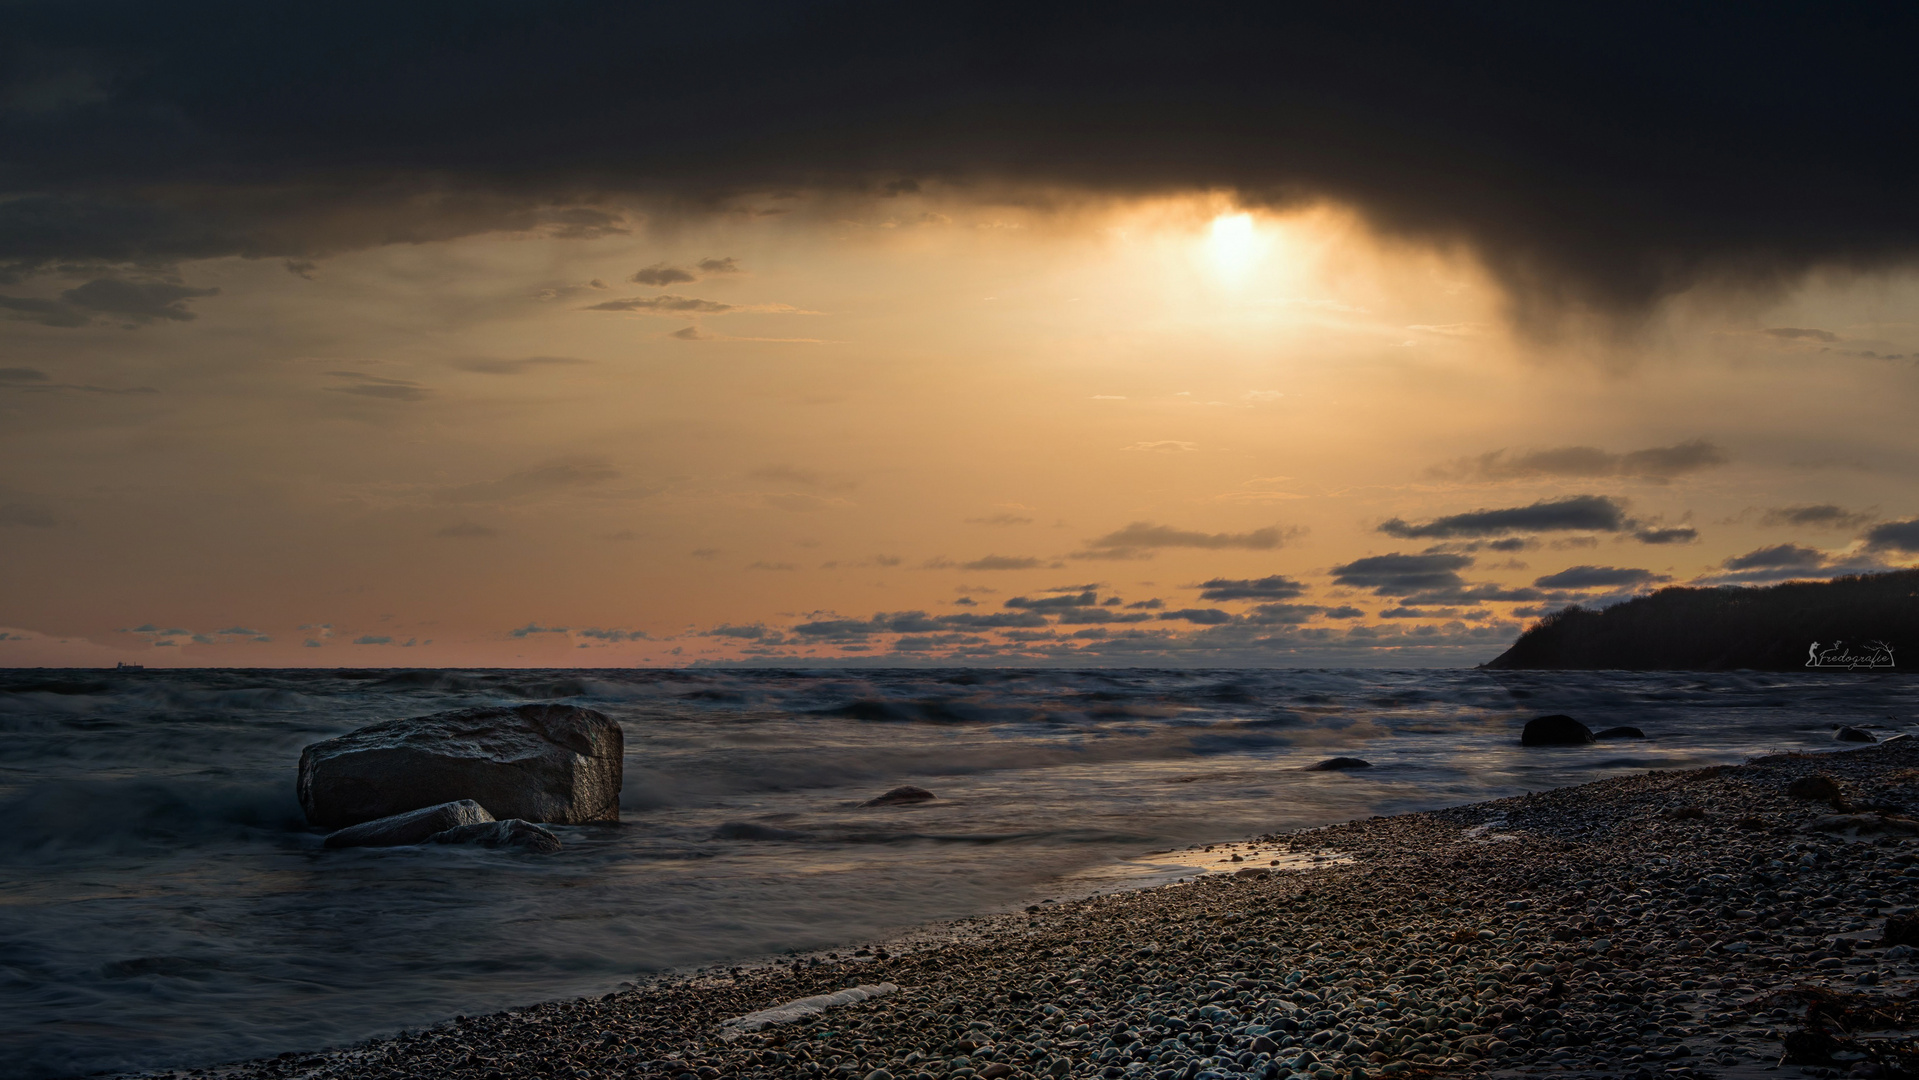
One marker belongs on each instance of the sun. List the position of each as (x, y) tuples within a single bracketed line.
[(1234, 245)]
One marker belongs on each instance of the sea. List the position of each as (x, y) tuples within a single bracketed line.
[(163, 903)]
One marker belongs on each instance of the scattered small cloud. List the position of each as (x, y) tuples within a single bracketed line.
[(667, 304), (763, 565), (375, 386), (560, 474), (467, 530), (1001, 519), (1003, 562), (1578, 512), (530, 629), (1660, 464), (1675, 534), (660, 274), (131, 303), (1821, 516), (1164, 446), (1140, 538), (493, 366), (1271, 587), (812, 478), (1598, 577), (1800, 333)]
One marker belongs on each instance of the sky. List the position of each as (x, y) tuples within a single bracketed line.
[(493, 336)]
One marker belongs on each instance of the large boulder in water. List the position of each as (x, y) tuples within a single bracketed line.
[(1555, 730), (558, 763), (412, 827)]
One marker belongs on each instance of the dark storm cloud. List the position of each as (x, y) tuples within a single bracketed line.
[(1676, 534), (1594, 513), (1598, 577), (1895, 536), (1602, 155)]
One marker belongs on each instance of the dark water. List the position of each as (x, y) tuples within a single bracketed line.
[(162, 903)]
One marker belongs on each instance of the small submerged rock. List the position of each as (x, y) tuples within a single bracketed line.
[(1624, 731), (512, 833), (1555, 730), (906, 795), (412, 827), (1340, 764), (1853, 734)]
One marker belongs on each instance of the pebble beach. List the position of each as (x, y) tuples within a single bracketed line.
[(1720, 921)]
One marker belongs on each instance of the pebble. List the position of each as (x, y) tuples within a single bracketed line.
[(1604, 935)]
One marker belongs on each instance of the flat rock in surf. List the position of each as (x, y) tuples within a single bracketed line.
[(1853, 734), (1625, 731), (412, 827), (1340, 764), (1555, 730), (557, 763), (512, 833), (901, 796)]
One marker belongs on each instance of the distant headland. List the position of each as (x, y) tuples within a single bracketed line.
[(1857, 623)]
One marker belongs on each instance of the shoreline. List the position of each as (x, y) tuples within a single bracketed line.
[(1627, 927)]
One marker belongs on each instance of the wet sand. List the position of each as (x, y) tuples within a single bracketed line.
[(1685, 924)]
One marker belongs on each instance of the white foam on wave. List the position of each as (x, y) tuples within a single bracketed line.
[(801, 1007)]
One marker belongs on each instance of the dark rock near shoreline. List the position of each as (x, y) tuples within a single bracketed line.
[(1624, 731), (558, 763), (1555, 730), (1853, 734), (1340, 764), (901, 796), (412, 827), (495, 834)]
